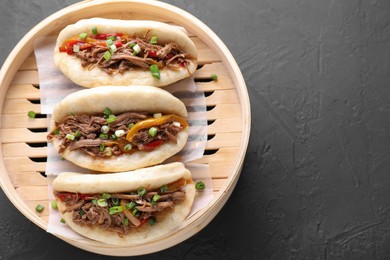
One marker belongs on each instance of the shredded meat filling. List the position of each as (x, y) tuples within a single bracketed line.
[(85, 133), (130, 210), (124, 58)]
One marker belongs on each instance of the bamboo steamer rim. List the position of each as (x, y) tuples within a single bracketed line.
[(56, 22)]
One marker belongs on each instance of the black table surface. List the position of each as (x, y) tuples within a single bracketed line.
[(316, 177)]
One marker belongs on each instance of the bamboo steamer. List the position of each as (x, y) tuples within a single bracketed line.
[(23, 141)]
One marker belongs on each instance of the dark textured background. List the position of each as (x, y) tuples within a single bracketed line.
[(315, 184)]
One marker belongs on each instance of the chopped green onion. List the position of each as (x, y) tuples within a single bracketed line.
[(164, 188), (141, 192), (113, 137), (105, 129), (157, 115), (135, 212), (126, 221), (156, 197), (112, 38), (109, 42), (76, 48), (111, 119), (107, 111), (177, 124), (130, 125), (94, 30), (200, 185), (103, 136), (62, 220), (101, 147), (214, 77), (115, 201), (130, 205), (107, 151), (153, 131), (115, 209), (107, 55), (31, 114), (54, 204), (106, 196), (120, 132), (56, 131), (81, 212), (136, 49), (155, 71), (76, 134), (94, 202), (128, 147), (153, 40), (113, 48), (83, 35), (152, 220), (70, 137), (39, 208), (132, 44), (102, 202)]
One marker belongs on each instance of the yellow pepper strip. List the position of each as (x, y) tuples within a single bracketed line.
[(147, 123)]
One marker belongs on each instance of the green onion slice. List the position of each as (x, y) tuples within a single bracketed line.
[(39, 208), (111, 118), (141, 192), (130, 205), (62, 220), (106, 196), (107, 111), (128, 147), (31, 114), (120, 132), (101, 147), (70, 136), (155, 71), (94, 30), (107, 55), (115, 209), (200, 185), (102, 202), (156, 197), (76, 48), (153, 40), (112, 38), (214, 77), (164, 188), (152, 220), (113, 48), (109, 42), (83, 36), (153, 131), (54, 204), (115, 201), (136, 49), (103, 136)]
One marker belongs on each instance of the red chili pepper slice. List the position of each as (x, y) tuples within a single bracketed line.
[(152, 54), (153, 145), (66, 196), (118, 44)]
